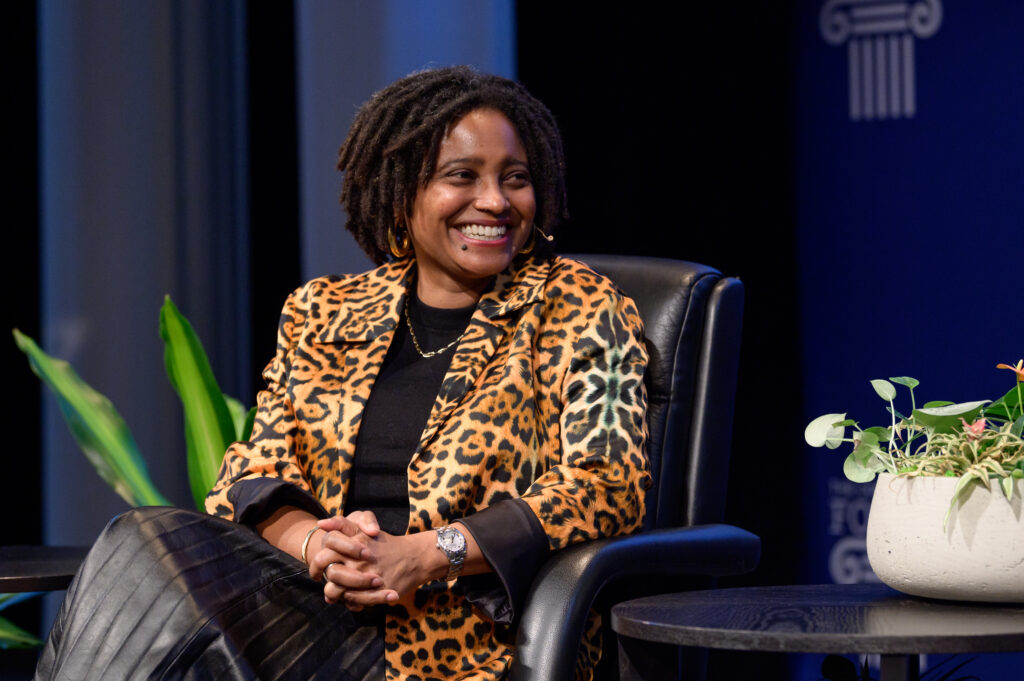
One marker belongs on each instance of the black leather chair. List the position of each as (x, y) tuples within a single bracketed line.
[(693, 317)]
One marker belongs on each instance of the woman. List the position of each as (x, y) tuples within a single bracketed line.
[(431, 429)]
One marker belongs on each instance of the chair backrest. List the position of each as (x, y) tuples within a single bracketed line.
[(692, 317)]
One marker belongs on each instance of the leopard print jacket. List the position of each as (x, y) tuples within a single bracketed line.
[(544, 401)]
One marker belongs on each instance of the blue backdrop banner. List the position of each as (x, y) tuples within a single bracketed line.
[(910, 212)]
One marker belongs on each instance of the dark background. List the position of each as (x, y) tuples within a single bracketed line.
[(682, 142), (667, 158), (679, 144)]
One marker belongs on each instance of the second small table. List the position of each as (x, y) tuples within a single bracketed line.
[(830, 618)]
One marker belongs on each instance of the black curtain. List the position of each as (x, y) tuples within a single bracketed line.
[(679, 141)]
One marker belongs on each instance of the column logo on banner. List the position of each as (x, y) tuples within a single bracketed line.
[(879, 37)]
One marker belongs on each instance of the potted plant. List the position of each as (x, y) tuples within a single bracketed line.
[(213, 421), (946, 518)]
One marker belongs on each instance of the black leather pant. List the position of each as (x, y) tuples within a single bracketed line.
[(172, 594)]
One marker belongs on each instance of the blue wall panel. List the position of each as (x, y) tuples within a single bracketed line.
[(910, 224)]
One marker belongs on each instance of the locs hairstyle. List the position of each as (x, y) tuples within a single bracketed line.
[(392, 147)]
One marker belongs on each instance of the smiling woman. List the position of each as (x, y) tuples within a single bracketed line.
[(431, 430), (475, 214)]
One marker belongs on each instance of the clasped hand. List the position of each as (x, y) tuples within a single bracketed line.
[(362, 565)]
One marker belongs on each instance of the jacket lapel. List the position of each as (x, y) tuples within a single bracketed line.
[(493, 320), (369, 308), (360, 325)]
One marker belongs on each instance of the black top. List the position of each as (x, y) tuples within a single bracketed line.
[(397, 410)]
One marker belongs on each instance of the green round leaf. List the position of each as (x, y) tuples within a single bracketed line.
[(822, 431), (885, 389), (868, 440), (945, 418), (881, 434), (905, 381), (856, 470), (952, 409)]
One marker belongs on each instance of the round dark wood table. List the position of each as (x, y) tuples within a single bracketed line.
[(829, 618)]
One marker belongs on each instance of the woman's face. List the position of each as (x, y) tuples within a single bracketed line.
[(475, 212)]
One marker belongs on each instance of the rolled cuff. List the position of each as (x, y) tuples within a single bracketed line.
[(515, 545), (256, 499)]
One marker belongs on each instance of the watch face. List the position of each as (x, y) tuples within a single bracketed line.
[(451, 540)]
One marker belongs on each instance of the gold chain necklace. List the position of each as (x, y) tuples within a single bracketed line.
[(416, 343)]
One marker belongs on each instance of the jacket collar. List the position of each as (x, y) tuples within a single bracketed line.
[(371, 303), (516, 287)]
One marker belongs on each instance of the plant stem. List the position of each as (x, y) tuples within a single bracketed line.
[(913, 408), (1020, 403), (892, 437)]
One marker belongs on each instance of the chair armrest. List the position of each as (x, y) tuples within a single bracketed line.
[(565, 587)]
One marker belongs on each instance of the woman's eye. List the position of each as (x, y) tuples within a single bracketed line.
[(462, 175), (521, 178)]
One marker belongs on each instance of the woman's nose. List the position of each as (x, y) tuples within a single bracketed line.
[(492, 198)]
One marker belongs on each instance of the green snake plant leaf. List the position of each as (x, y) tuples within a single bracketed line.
[(12, 636), (209, 426), (11, 599), (96, 426), (243, 419), (238, 415)]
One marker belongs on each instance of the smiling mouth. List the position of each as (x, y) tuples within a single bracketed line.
[(483, 232)]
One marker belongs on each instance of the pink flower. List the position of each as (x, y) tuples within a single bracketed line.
[(973, 430), (1019, 369)]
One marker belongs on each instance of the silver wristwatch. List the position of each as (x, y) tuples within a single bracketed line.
[(453, 543)]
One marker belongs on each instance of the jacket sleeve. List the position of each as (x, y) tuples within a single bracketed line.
[(265, 473), (596, 486), (596, 489)]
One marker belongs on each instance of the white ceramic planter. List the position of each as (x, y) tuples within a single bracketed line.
[(978, 556)]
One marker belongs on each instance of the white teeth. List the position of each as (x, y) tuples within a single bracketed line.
[(483, 231)]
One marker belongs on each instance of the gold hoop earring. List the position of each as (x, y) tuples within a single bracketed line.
[(399, 250)]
